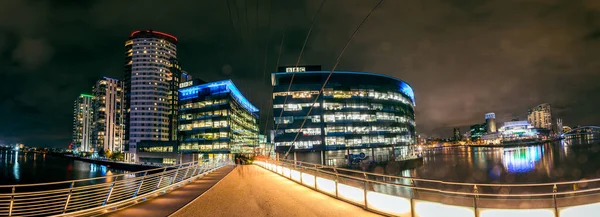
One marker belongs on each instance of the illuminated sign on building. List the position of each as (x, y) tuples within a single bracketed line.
[(186, 84), (295, 69)]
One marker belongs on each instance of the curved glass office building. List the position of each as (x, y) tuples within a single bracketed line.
[(359, 115)]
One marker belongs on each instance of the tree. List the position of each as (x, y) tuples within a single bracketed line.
[(101, 153), (108, 153), (118, 156)]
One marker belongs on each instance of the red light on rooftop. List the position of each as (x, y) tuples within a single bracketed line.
[(156, 32)]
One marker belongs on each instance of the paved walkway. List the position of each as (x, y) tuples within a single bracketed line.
[(167, 204), (253, 191)]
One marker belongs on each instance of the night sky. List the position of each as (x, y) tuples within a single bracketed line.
[(463, 57)]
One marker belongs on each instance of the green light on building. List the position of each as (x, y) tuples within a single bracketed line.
[(86, 95)]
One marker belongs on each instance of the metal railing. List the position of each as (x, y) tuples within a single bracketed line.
[(95, 196), (407, 196)]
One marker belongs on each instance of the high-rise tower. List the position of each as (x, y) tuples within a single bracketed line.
[(109, 126), (490, 122), (149, 84), (82, 123), (540, 116)]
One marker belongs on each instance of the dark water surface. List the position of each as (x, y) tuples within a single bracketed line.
[(566, 160), (26, 168)]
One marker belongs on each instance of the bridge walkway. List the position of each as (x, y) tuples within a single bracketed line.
[(253, 191)]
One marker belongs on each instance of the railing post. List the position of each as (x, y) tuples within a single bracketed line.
[(412, 198), (476, 191), (316, 174), (110, 192), (365, 190), (186, 172), (195, 168), (554, 191), (337, 177), (175, 177), (140, 186), (69, 197), (161, 178), (12, 201)]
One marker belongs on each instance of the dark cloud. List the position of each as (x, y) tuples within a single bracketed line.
[(463, 57)]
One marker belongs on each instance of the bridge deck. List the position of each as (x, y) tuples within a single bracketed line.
[(167, 204), (253, 191)]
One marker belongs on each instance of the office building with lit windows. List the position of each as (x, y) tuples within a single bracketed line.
[(152, 77), (540, 116), (109, 125), (83, 117), (216, 121), (358, 112)]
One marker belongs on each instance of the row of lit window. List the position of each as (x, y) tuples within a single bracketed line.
[(300, 144), (333, 106), (146, 113), (340, 140), (203, 124), (363, 129), (199, 115), (208, 136), (362, 93), (203, 147), (297, 94), (306, 131), (357, 116), (203, 104), (156, 149), (296, 106), (134, 135), (153, 93), (290, 119)]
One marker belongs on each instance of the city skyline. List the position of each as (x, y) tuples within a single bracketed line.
[(48, 59)]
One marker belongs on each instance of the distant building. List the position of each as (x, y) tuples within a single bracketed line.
[(216, 120), (518, 130), (490, 122), (540, 116), (566, 129), (109, 119), (457, 135), (83, 117), (559, 126), (477, 131)]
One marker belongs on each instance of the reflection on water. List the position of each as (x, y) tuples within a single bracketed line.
[(565, 160), (21, 168), (521, 160)]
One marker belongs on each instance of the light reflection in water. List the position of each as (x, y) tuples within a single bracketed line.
[(521, 160), (16, 172)]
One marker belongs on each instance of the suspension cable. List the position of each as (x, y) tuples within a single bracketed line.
[(337, 62), (298, 61)]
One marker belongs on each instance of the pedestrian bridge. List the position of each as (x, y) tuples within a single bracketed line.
[(287, 188)]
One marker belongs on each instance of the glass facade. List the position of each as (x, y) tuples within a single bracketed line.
[(215, 118), (356, 110)]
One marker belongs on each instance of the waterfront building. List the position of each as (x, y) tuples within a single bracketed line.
[(490, 122), (358, 113), (83, 117), (152, 76), (540, 116), (108, 105), (216, 120), (518, 131), (457, 135), (477, 131), (559, 127)]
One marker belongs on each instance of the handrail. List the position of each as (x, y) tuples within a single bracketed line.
[(368, 190), (446, 182), (81, 198)]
